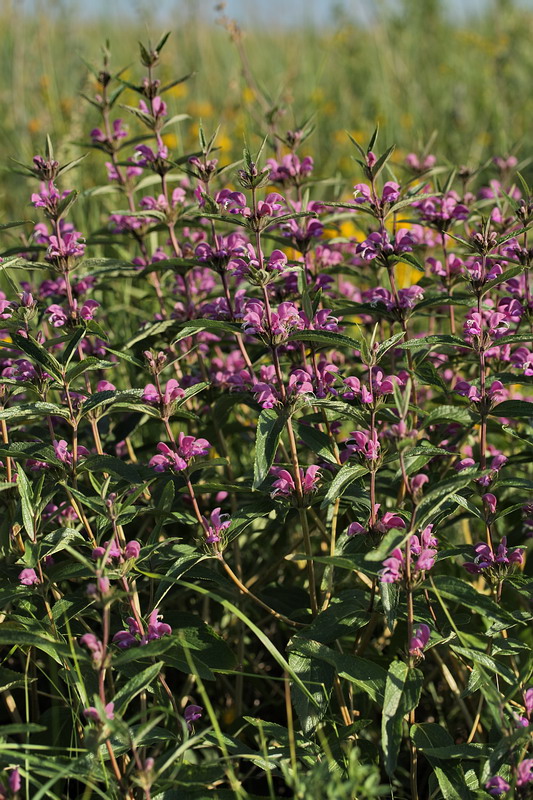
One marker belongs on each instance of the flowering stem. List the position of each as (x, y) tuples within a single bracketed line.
[(240, 342), (5, 439), (403, 323), (448, 276)]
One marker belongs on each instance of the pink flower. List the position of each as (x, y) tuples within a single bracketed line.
[(93, 714), (156, 629), (167, 459), (217, 524), (284, 483), (28, 577), (419, 640), (355, 529), (388, 521), (132, 549), (310, 479), (524, 772), (14, 781), (189, 446), (365, 443), (172, 392), (192, 714), (528, 700), (497, 785), (94, 645), (392, 567), (490, 502)]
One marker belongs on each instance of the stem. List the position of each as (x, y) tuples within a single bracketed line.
[(448, 277)]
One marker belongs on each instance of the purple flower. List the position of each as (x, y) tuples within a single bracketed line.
[(67, 246), (486, 559), (310, 478), (14, 781), (58, 316), (355, 529), (28, 577), (93, 714), (166, 460), (95, 647), (497, 785), (172, 392), (524, 772), (191, 714), (392, 567), (490, 502), (189, 446), (105, 386), (365, 443), (420, 165), (132, 549), (217, 524), (528, 700), (155, 629), (379, 245), (125, 640), (284, 483), (426, 560), (388, 521), (419, 640), (265, 394), (290, 169)]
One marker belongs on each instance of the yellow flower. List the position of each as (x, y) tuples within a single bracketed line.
[(201, 108), (170, 140), (248, 95), (406, 275), (350, 230), (179, 91)]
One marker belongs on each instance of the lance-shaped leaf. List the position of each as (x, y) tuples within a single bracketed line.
[(269, 428), (402, 693)]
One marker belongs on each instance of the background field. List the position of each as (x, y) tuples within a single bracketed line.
[(413, 68)]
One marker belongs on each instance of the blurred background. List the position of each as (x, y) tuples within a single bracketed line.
[(458, 71)]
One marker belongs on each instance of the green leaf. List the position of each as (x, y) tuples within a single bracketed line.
[(328, 338), (27, 503), (317, 441), (444, 491), (344, 477), (269, 429), (58, 540), (382, 160), (385, 346), (392, 539), (390, 600), (318, 678), (73, 343), (216, 326), (91, 362), (435, 339), (38, 353), (402, 693), (9, 679), (341, 618), (515, 409), (32, 410), (428, 736), (487, 661), (366, 675), (459, 591), (135, 685), (111, 464), (16, 637), (448, 414)]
